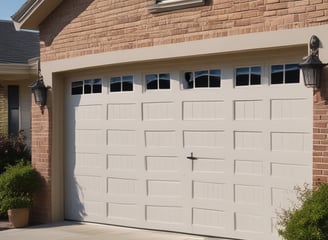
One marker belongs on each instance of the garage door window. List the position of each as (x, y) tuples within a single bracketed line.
[(203, 79), (89, 86), (247, 76), (158, 81), (121, 84), (77, 88), (285, 74), (92, 86)]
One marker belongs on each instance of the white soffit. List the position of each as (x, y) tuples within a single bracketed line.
[(33, 12)]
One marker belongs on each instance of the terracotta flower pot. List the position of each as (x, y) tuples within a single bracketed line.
[(19, 217)]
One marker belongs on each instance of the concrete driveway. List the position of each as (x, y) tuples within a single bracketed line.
[(85, 231)]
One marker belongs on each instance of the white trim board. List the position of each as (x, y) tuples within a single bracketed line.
[(223, 45)]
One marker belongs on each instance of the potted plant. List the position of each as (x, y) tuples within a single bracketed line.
[(17, 184)]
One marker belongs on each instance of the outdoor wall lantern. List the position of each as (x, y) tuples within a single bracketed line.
[(39, 91), (312, 66)]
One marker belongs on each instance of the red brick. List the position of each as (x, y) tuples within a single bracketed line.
[(125, 26)]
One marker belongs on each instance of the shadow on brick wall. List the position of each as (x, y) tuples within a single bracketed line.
[(324, 85), (63, 15)]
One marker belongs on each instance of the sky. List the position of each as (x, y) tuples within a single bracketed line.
[(9, 7)]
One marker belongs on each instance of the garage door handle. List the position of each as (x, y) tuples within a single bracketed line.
[(191, 157)]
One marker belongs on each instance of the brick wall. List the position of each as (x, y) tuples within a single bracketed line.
[(79, 27), (41, 160), (3, 110), (320, 132)]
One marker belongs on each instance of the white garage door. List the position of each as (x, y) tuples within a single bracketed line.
[(208, 150)]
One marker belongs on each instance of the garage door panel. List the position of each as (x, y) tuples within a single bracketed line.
[(203, 110), (208, 218), (291, 141), (203, 139), (166, 215), (121, 162), (250, 224), (122, 111), (155, 111), (289, 109), (167, 164), (249, 167), (249, 109), (121, 137), (90, 161), (119, 212), (248, 140)]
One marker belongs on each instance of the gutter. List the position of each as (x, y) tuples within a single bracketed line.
[(24, 10)]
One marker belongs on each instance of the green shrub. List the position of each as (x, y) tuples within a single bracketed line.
[(17, 184), (309, 219), (13, 149)]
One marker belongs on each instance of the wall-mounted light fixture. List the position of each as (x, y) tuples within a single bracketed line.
[(39, 90), (312, 66)]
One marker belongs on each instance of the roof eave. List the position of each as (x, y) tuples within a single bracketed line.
[(32, 13), (12, 71)]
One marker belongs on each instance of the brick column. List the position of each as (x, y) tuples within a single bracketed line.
[(41, 160), (320, 133), (3, 110)]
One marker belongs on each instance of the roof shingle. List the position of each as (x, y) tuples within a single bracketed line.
[(17, 46)]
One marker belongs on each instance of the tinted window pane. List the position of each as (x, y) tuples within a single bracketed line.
[(201, 79), (292, 73), (255, 75), (277, 74), (127, 82), (115, 84), (164, 81), (97, 86), (189, 81), (77, 88), (151, 81), (215, 78), (87, 86), (242, 76)]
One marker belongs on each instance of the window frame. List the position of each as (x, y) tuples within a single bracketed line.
[(284, 74), (249, 67), (121, 83), (157, 81), (192, 73), (83, 83), (170, 5)]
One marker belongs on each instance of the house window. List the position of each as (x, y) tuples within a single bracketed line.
[(169, 5), (158, 81), (203, 79), (285, 74), (121, 84), (13, 110), (89, 86), (246, 76)]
